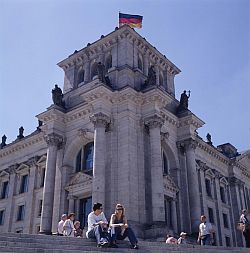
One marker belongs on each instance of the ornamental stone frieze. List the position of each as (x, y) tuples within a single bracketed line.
[(4, 173), (85, 134), (100, 119), (154, 121), (54, 139), (201, 165)]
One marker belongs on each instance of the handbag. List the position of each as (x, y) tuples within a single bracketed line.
[(243, 226)]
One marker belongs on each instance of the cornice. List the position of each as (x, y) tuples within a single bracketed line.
[(105, 43), (22, 144), (190, 119), (212, 151), (169, 117)]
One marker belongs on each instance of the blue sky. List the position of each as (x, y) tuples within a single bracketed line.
[(209, 40)]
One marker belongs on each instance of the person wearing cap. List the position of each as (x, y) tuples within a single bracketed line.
[(246, 232), (205, 236), (183, 238), (60, 225)]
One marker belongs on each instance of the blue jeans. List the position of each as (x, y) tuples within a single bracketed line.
[(206, 240), (127, 233), (95, 232)]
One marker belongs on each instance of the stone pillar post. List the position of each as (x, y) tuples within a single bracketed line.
[(57, 211), (174, 215), (71, 204), (9, 214), (219, 211), (192, 175), (87, 72), (54, 141), (29, 212), (100, 121), (157, 75), (145, 64), (154, 123), (203, 188)]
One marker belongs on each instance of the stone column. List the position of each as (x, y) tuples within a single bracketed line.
[(154, 123), (203, 188), (9, 213), (71, 204), (29, 212), (157, 75), (145, 64), (54, 141), (58, 191), (174, 215), (87, 72), (100, 121), (220, 222), (193, 183)]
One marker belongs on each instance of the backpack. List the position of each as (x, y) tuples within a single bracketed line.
[(105, 239)]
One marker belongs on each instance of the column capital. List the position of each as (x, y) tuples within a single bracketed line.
[(100, 119), (54, 139), (12, 169), (187, 144), (154, 121)]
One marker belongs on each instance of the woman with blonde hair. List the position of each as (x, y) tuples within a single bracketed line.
[(120, 229)]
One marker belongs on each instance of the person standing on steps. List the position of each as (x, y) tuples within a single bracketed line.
[(205, 236)]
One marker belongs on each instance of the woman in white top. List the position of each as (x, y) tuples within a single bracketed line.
[(68, 226)]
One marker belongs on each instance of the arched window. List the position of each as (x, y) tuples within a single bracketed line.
[(140, 66), (84, 159), (108, 62), (165, 164), (80, 76), (94, 71)]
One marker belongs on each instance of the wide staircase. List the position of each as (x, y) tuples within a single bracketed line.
[(24, 243)]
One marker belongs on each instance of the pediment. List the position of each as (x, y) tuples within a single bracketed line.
[(42, 159), (169, 184), (4, 174), (223, 180), (209, 173), (22, 168), (80, 178)]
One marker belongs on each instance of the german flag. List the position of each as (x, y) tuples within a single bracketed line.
[(131, 20)]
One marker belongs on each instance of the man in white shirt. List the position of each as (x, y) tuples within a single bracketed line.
[(60, 225), (205, 236), (246, 232), (97, 222)]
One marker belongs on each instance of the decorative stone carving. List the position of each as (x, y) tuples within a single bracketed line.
[(12, 168), (85, 134), (100, 119), (154, 121), (32, 161), (4, 173), (164, 135), (184, 145), (54, 140)]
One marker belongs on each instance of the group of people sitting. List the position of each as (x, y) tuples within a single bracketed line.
[(106, 234), (181, 240)]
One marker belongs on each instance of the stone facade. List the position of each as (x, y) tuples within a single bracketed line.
[(118, 139)]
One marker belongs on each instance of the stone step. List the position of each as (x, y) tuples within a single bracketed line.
[(24, 243)]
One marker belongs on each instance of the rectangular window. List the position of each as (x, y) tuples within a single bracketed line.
[(208, 187), (222, 194), (228, 242), (40, 206), (78, 161), (168, 212), (42, 177), (20, 213), (24, 184), (84, 209), (225, 220), (211, 215), (5, 188), (1, 217)]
